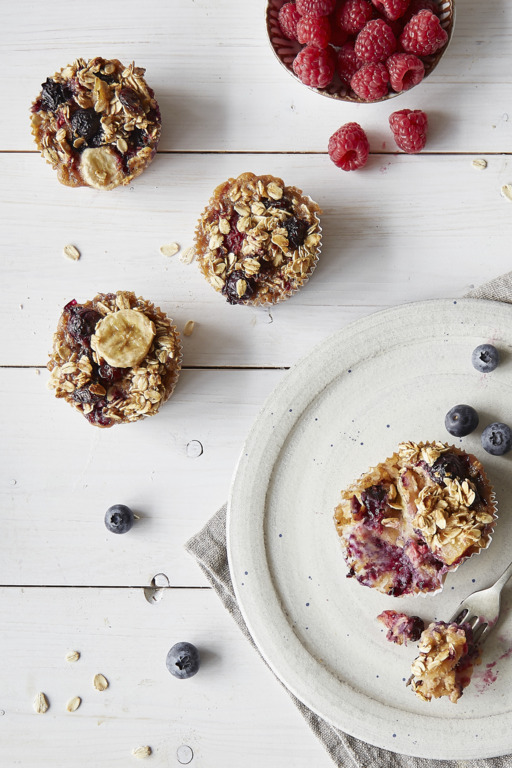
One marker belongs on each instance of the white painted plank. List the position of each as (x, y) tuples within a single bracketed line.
[(232, 713), (220, 86), (406, 228), (60, 475)]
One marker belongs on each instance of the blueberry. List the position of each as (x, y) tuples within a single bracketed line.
[(137, 138), (485, 358), (461, 420), (297, 230), (230, 287), (497, 439), (81, 322), (85, 396), (183, 660), (119, 518), (53, 95), (85, 123), (448, 464)]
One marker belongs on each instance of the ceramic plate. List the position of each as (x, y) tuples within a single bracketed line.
[(387, 378)]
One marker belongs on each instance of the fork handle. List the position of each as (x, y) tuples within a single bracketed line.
[(505, 576)]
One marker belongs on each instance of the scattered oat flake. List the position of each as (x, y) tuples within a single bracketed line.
[(72, 656), (142, 752), (506, 191), (169, 250), (41, 704), (72, 252), (188, 255), (73, 704), (100, 682), (189, 328), (479, 163)]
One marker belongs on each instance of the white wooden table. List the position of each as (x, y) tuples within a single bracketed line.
[(406, 228)]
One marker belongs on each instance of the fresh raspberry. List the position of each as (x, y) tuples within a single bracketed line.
[(371, 81), (423, 34), (405, 71), (409, 129), (395, 26), (349, 147), (315, 30), (352, 15), (348, 63), (375, 42), (315, 66), (288, 18), (393, 9), (315, 7), (415, 6)]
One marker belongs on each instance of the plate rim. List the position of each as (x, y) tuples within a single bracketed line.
[(365, 733)]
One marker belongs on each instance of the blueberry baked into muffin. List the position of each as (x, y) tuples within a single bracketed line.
[(115, 358), (97, 123), (447, 656), (413, 518), (258, 240)]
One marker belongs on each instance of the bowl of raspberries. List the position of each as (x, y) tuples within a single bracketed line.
[(360, 50)]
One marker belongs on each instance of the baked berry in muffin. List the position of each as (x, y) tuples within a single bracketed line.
[(413, 518), (97, 123), (115, 358), (445, 662), (258, 240), (401, 627)]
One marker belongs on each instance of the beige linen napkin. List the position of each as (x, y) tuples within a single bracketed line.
[(209, 548)]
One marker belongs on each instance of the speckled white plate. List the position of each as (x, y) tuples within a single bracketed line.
[(389, 377)]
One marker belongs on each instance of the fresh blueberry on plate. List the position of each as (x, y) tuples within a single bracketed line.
[(485, 358), (183, 660), (119, 518), (497, 439), (461, 420)]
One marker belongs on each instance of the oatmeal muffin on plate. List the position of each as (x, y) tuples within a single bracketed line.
[(115, 358), (97, 123), (258, 240), (413, 518)]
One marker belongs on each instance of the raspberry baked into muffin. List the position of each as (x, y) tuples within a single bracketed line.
[(445, 662), (413, 518), (97, 123), (258, 241), (115, 358)]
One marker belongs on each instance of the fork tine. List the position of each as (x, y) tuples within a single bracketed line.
[(473, 621), (459, 616), (480, 635)]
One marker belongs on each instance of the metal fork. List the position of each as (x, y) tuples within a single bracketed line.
[(481, 609)]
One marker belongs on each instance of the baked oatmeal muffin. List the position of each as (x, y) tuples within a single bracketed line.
[(257, 240), (97, 123), (115, 358), (413, 518), (445, 662)]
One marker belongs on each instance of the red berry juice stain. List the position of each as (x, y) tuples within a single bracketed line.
[(484, 678)]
